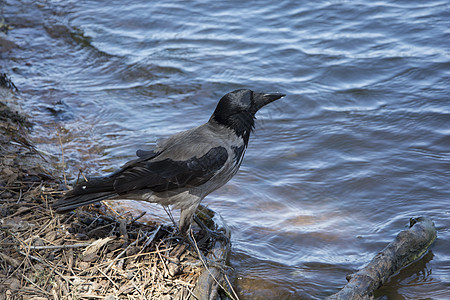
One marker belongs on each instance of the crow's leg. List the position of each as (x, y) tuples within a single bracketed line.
[(209, 232), (186, 216)]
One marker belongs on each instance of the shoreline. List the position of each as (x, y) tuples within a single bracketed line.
[(90, 252)]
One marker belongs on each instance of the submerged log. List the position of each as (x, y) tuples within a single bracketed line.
[(408, 246)]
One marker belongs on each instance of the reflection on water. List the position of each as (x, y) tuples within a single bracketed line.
[(333, 171)]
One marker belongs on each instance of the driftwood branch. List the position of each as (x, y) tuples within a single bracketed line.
[(408, 246), (210, 279)]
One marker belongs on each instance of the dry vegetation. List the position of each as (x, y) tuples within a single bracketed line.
[(87, 254)]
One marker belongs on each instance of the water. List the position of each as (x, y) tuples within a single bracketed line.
[(334, 170)]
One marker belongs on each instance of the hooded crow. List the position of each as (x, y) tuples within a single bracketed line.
[(184, 168)]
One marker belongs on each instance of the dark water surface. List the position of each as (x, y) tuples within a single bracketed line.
[(334, 170)]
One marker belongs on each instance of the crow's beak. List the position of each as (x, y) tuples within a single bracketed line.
[(261, 99)]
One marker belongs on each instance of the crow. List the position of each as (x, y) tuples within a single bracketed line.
[(183, 168)]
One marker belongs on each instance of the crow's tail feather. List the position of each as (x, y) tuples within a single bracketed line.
[(86, 192), (68, 204)]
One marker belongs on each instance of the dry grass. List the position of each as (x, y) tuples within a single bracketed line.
[(87, 254)]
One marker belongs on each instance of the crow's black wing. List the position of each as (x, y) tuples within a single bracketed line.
[(143, 155), (168, 174)]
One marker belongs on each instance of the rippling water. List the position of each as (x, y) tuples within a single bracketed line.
[(334, 170)]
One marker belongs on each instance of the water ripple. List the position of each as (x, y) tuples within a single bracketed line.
[(334, 170)]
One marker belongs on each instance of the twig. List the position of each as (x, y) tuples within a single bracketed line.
[(151, 238), (20, 196), (82, 174), (169, 213), (87, 296), (126, 257), (104, 274), (122, 253), (40, 289), (62, 156), (123, 229), (27, 255), (407, 246), (68, 219), (69, 261), (44, 263), (21, 210), (58, 246), (179, 281), (137, 218), (202, 258), (92, 223), (162, 260), (191, 293), (229, 284), (98, 228), (112, 209), (50, 274), (138, 289), (45, 227)]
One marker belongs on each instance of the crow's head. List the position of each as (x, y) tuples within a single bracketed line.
[(237, 110)]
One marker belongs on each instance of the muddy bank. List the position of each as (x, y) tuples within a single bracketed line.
[(91, 252)]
